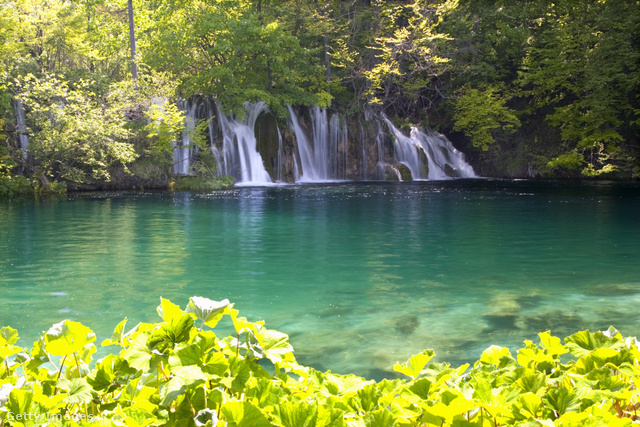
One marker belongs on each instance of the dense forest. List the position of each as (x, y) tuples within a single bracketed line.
[(527, 89)]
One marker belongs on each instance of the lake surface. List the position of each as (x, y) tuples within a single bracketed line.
[(360, 275)]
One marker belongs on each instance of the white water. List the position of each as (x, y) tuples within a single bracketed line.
[(182, 151), (323, 151), (240, 156), (443, 160), (322, 158), (23, 138)]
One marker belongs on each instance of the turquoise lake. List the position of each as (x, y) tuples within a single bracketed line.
[(360, 275)]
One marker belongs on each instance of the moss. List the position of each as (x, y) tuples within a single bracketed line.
[(197, 183)]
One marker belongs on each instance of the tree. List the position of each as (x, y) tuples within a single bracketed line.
[(227, 50), (76, 135), (583, 66), (403, 80)]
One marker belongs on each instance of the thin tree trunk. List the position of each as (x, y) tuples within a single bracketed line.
[(327, 60), (132, 39)]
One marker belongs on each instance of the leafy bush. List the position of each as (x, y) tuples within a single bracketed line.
[(178, 372)]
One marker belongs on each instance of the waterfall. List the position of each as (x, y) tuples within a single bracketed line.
[(443, 160), (23, 137), (365, 175), (382, 164), (322, 144), (280, 176), (183, 149), (240, 156), (323, 159)]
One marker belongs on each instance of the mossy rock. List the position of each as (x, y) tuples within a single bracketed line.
[(268, 142), (198, 183), (405, 172)]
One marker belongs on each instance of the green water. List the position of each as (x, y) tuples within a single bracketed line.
[(359, 275)]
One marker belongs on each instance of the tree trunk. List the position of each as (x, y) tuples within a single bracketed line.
[(327, 60), (132, 39)]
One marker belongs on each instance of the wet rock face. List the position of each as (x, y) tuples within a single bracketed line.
[(268, 143), (405, 172)]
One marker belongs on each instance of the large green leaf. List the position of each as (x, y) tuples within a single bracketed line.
[(8, 336), (380, 418), (562, 400), (208, 311), (329, 416), (19, 401), (135, 417), (530, 403), (243, 414), (200, 354), (238, 374), (552, 345), (275, 344), (176, 331), (116, 337), (415, 364), (140, 356), (584, 342), (67, 337), (108, 372), (169, 311), (177, 386), (535, 382), (266, 392), (78, 390), (493, 354), (296, 414)]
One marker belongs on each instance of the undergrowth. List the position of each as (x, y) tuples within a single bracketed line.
[(178, 372)]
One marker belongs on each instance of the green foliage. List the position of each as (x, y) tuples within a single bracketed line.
[(75, 134), (541, 80), (582, 67), (224, 48), (482, 114), (178, 372), (408, 56)]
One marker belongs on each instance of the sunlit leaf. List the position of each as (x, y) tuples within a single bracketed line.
[(493, 354), (116, 337), (584, 342), (244, 414), (78, 390), (169, 311), (415, 364), (67, 337), (296, 414), (8, 336), (275, 344), (208, 311)]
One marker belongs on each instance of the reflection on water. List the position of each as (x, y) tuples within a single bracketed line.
[(360, 275)]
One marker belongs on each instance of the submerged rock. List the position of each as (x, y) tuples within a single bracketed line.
[(407, 324)]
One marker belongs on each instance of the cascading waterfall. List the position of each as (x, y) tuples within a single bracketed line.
[(364, 154), (182, 151), (443, 160), (240, 156), (323, 159), (23, 137), (280, 177), (320, 150)]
